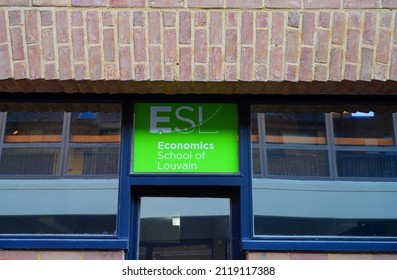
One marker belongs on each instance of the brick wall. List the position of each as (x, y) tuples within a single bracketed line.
[(61, 255), (318, 256), (148, 45)]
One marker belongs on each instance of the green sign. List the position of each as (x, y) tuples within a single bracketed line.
[(185, 138)]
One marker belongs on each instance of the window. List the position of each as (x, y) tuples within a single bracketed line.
[(324, 171), (69, 156)]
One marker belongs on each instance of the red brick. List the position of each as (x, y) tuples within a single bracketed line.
[(57, 3), (395, 32), (34, 62), (92, 27), (231, 45), (380, 72), (108, 45), (46, 18), (262, 19), (124, 27), (306, 64), (139, 45), (154, 28), (320, 72), (125, 63), (19, 255), (308, 28), (200, 46), (260, 72), (231, 19), (102, 255), (199, 73), (205, 4), (349, 256), (353, 43), (65, 72), (335, 66), (293, 19), (139, 19), (19, 71), (292, 50), (324, 19), (61, 255), (169, 19), (366, 64), (80, 72), (321, 4), (94, 63), (267, 256), (107, 18), (355, 20), (308, 256), (287, 4), (50, 71), (3, 29), (62, 26), (384, 256), (322, 46), (244, 4), (185, 28), (393, 65), (360, 4), (18, 52), (185, 64), (127, 3), (170, 51), (369, 28), (110, 71), (200, 19), (338, 36), (215, 64), (385, 19), (47, 42), (14, 18), (382, 50), (32, 31), (77, 18), (277, 28), (78, 44), (14, 2), (216, 28), (89, 3), (351, 72), (140, 72), (155, 63), (230, 73), (5, 69), (262, 43), (166, 3), (389, 4), (247, 28), (276, 63), (246, 63)]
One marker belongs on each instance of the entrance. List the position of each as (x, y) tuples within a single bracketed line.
[(184, 228)]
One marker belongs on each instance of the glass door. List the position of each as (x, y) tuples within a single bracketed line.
[(185, 228)]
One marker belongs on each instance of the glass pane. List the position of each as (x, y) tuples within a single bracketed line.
[(30, 161), (177, 228), (90, 161), (367, 164), (295, 128), (290, 162), (28, 127), (88, 127), (58, 206), (292, 207), (363, 129)]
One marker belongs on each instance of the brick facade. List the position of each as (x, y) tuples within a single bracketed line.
[(205, 46)]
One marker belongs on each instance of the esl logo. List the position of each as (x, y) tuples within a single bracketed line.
[(162, 115)]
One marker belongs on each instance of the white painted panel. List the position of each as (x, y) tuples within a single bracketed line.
[(59, 197), (325, 199)]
